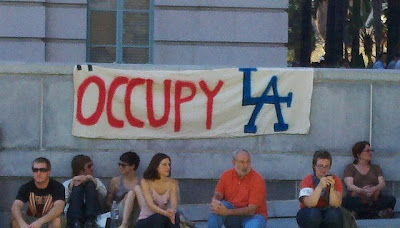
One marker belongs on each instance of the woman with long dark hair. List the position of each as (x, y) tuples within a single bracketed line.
[(160, 194)]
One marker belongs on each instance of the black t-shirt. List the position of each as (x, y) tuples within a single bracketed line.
[(40, 200)]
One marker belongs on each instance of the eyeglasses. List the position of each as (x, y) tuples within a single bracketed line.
[(42, 170), (323, 167), (369, 150), (123, 165)]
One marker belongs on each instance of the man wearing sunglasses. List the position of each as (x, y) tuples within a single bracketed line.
[(83, 193), (45, 198)]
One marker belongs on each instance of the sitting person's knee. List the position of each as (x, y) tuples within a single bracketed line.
[(90, 184), (55, 223), (334, 216), (14, 223), (312, 213)]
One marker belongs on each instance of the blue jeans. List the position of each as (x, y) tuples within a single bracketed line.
[(315, 217), (83, 203), (253, 221)]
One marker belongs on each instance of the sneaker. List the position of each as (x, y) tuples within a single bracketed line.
[(387, 213), (90, 223), (354, 214), (76, 224)]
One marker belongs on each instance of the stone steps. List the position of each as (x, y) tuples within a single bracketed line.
[(282, 213), (291, 223)]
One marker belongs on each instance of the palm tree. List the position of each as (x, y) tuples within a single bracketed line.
[(377, 13)]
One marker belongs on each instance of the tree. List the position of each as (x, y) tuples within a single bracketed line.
[(355, 25), (335, 31), (306, 33), (294, 13), (330, 34), (377, 13), (340, 18), (393, 24)]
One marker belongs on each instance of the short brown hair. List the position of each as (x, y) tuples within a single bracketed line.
[(78, 163), (131, 158), (42, 160), (321, 154)]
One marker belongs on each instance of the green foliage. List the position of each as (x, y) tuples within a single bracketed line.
[(355, 29), (294, 29), (315, 6)]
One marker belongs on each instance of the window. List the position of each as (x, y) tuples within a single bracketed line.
[(119, 31)]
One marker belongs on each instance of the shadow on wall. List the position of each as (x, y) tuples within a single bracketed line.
[(1, 139)]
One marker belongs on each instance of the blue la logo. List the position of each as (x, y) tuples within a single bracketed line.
[(263, 99)]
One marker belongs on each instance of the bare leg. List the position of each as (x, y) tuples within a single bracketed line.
[(55, 223), (139, 196), (128, 206), (14, 223)]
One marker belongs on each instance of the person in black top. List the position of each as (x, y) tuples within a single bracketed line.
[(45, 198)]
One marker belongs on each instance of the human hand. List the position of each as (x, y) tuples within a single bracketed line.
[(36, 224), (215, 202), (89, 178), (219, 208), (330, 181), (77, 180), (369, 190), (171, 215), (323, 182)]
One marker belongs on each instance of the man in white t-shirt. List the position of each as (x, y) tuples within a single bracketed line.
[(83, 193)]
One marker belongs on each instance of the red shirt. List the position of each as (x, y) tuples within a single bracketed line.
[(250, 190), (307, 182)]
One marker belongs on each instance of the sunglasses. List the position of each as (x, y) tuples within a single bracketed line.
[(43, 170), (123, 165)]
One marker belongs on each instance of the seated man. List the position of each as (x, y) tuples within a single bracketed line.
[(240, 196), (83, 193), (45, 199), (320, 195)]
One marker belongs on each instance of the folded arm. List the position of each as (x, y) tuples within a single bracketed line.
[(16, 212)]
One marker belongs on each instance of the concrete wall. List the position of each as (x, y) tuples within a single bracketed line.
[(36, 109), (43, 30), (245, 33), (238, 33)]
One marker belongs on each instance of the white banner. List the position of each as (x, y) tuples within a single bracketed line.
[(138, 104)]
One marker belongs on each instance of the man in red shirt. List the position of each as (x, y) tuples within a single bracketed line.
[(240, 196)]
